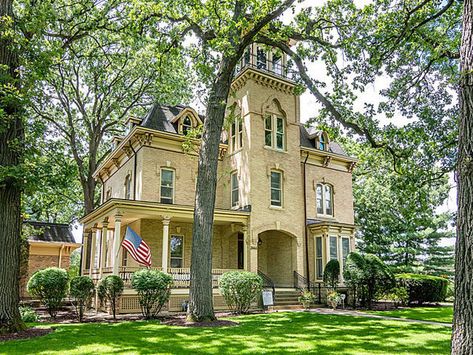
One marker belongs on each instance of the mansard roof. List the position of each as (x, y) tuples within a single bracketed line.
[(161, 117), (50, 232), (308, 141)]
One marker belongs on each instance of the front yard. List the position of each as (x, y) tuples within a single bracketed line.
[(277, 332), (433, 314)]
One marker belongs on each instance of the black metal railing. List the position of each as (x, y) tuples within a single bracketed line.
[(272, 67), (302, 284), (267, 282)]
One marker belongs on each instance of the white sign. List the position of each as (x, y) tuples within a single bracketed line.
[(267, 298)]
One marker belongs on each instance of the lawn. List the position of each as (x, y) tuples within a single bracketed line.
[(434, 314), (294, 332)]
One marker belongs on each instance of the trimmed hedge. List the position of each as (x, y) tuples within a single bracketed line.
[(423, 288), (239, 289)]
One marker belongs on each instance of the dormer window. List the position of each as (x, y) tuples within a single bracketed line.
[(186, 125), (322, 142)]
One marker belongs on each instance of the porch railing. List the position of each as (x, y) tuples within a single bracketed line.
[(180, 276), (267, 282)]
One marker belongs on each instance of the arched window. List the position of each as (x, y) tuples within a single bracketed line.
[(186, 125), (128, 187), (322, 142), (274, 131), (324, 199)]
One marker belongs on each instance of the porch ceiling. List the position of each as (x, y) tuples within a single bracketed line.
[(131, 210)]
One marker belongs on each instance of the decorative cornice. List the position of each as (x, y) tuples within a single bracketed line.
[(265, 79)]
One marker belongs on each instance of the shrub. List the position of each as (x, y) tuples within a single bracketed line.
[(398, 295), (81, 290), (424, 288), (28, 314), (239, 289), (109, 290), (50, 286), (334, 299), (332, 273), (306, 299), (154, 289), (368, 276)]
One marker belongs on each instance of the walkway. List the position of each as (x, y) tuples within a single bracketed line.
[(342, 312)]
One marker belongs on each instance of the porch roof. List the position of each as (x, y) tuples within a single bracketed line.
[(131, 210)]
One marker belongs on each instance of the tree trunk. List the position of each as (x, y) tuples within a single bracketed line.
[(11, 152), (201, 303), (462, 338)]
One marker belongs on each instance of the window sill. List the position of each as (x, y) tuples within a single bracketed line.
[(277, 208), (275, 149), (235, 152)]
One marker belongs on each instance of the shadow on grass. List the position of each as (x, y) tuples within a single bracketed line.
[(443, 314), (276, 332)]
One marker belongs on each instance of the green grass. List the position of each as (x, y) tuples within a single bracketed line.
[(296, 332), (434, 314)]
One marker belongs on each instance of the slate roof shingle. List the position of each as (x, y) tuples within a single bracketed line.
[(51, 232)]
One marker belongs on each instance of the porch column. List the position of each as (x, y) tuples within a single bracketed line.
[(246, 246), (165, 256), (327, 249), (253, 257), (84, 250), (103, 247), (92, 251), (116, 243)]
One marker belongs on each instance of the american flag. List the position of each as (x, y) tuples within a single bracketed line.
[(137, 247)]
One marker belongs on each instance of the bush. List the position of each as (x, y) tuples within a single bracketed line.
[(239, 289), (306, 299), (334, 299), (154, 289), (28, 314), (81, 290), (368, 276), (109, 290), (424, 288), (332, 273), (50, 286), (398, 295)]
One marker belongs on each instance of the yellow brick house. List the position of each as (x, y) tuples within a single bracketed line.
[(284, 204)]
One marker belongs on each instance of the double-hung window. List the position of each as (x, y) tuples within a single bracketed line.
[(333, 248), (318, 258), (177, 251), (345, 249), (186, 125), (235, 190), (167, 186), (274, 132), (276, 189), (236, 134), (324, 197)]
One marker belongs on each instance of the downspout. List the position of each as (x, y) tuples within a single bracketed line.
[(134, 170), (305, 223)]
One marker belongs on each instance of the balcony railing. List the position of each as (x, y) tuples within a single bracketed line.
[(274, 68)]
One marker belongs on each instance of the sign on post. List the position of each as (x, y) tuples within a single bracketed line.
[(268, 298)]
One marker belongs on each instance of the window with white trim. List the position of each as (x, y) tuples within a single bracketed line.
[(274, 132), (319, 265), (324, 199), (276, 189), (235, 190), (322, 142), (177, 251), (167, 186), (236, 134), (345, 249), (261, 58), (333, 248)]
